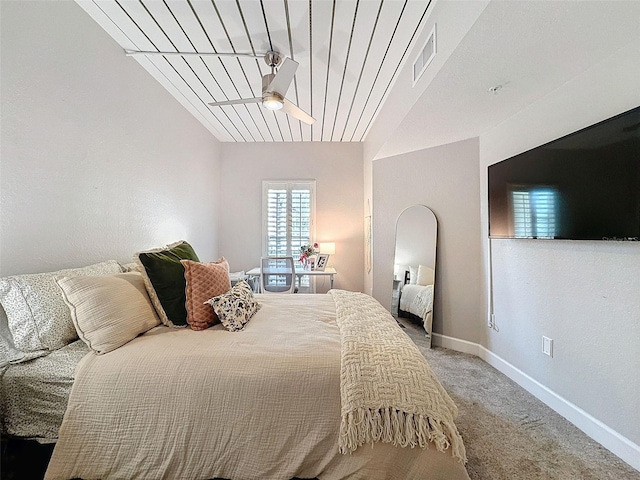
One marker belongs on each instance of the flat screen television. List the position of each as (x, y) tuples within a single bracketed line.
[(584, 186)]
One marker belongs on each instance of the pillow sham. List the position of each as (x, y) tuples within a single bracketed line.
[(236, 307), (204, 281), (129, 267), (37, 316), (163, 275), (8, 351), (425, 275), (413, 275), (110, 310)]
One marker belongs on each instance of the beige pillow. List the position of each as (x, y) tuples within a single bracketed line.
[(109, 311), (37, 316), (425, 275)]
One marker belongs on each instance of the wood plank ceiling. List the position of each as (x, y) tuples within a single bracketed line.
[(349, 53)]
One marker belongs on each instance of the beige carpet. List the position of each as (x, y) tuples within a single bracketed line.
[(509, 434)]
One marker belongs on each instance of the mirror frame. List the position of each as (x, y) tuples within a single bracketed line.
[(398, 282)]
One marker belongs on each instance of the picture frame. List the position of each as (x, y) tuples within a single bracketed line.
[(322, 261)]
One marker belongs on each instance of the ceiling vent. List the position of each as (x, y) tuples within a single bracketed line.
[(427, 52)]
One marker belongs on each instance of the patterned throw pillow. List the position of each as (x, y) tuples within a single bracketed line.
[(163, 276), (37, 316), (204, 281), (236, 307)]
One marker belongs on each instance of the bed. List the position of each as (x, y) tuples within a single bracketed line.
[(313, 386), (34, 393), (416, 303)]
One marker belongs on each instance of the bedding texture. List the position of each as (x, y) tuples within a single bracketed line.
[(389, 393), (34, 394), (8, 351), (417, 299), (37, 316), (109, 310), (265, 402)]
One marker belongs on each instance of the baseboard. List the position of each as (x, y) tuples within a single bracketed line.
[(456, 344), (601, 433)]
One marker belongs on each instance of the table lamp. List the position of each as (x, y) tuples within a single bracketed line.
[(329, 247)]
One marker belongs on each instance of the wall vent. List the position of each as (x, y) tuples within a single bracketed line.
[(424, 58)]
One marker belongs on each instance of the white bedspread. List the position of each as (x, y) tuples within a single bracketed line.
[(263, 403), (417, 299)]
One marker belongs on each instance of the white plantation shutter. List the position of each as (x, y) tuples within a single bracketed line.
[(534, 212), (288, 215), (521, 208)]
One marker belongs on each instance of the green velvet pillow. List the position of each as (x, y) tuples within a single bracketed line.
[(163, 276)]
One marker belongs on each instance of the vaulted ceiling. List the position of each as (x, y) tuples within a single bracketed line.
[(349, 53)]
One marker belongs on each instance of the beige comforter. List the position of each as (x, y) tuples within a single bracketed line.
[(263, 403)]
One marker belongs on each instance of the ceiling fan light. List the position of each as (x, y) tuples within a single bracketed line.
[(272, 102)]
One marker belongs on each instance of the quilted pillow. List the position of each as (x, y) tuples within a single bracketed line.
[(37, 316), (236, 307), (204, 281), (110, 310), (163, 275)]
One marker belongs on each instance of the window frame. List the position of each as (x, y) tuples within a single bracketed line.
[(289, 185)]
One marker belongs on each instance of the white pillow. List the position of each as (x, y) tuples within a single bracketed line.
[(413, 275), (110, 310), (37, 316), (425, 275)]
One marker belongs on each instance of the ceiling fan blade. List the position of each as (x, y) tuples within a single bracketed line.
[(240, 101), (296, 112), (281, 82)]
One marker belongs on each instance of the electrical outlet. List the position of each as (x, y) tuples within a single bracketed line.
[(547, 346)]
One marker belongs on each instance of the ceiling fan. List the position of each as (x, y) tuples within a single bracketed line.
[(274, 84), (274, 89)]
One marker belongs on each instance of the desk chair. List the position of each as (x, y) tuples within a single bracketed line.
[(277, 274)]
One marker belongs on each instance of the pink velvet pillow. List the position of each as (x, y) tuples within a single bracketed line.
[(204, 281)]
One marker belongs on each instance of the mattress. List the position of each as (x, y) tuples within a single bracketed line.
[(34, 394)]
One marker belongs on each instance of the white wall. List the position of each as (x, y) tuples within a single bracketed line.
[(582, 294), (446, 180), (98, 160), (388, 134), (337, 169)]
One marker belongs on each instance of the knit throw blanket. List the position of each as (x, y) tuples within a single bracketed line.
[(389, 393)]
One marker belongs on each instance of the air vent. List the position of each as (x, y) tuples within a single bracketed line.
[(427, 52)]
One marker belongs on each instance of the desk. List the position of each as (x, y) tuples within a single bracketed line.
[(329, 271)]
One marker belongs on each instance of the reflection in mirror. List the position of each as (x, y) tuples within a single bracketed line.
[(415, 266)]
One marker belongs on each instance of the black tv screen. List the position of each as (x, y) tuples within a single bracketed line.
[(584, 186)]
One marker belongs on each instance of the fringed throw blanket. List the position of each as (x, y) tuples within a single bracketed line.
[(389, 393)]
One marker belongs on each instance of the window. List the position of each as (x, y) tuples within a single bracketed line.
[(288, 213), (534, 212)]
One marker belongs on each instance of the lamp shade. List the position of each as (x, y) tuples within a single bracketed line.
[(329, 247)]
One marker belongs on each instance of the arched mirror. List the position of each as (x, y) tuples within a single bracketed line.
[(415, 266)]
